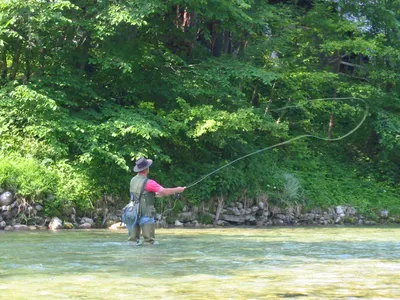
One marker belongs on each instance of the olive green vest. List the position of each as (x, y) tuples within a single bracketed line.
[(147, 201)]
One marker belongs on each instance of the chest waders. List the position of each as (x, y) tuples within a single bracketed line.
[(147, 211)]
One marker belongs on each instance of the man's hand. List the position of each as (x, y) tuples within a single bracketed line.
[(180, 189)]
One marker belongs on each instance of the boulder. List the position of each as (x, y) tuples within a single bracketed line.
[(233, 219), (85, 226), (55, 224), (384, 213), (6, 198), (86, 220), (8, 228), (117, 226), (21, 227), (340, 211), (351, 211), (185, 217), (178, 224), (32, 227), (252, 221), (38, 207), (68, 225), (261, 205), (221, 223), (3, 225), (233, 211)]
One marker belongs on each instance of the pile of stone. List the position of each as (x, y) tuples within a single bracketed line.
[(262, 214)]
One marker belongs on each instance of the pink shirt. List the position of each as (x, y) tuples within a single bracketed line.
[(152, 186)]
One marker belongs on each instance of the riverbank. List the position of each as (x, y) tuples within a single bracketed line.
[(17, 214)]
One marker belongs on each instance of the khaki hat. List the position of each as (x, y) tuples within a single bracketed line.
[(142, 164)]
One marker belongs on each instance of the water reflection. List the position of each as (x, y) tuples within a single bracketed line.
[(231, 263)]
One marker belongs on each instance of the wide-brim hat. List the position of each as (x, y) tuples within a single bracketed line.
[(142, 164)]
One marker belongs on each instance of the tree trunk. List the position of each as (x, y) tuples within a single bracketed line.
[(330, 126), (219, 208), (41, 61), (227, 41), (27, 65), (4, 69), (15, 64), (254, 97)]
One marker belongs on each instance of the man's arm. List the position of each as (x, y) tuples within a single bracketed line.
[(163, 192)]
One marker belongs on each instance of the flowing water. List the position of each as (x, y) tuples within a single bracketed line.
[(220, 263)]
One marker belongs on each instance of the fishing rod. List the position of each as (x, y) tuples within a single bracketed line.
[(366, 111)]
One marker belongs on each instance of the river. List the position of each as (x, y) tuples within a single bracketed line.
[(216, 263)]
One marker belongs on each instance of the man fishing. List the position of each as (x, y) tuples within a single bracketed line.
[(144, 190)]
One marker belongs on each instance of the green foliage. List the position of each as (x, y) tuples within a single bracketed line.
[(206, 219), (27, 177)]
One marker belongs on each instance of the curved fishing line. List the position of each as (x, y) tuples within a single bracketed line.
[(295, 138)]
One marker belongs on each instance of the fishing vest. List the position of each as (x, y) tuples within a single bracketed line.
[(147, 208)]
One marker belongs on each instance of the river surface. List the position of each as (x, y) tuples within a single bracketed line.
[(220, 263)]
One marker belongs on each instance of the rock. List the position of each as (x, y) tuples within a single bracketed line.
[(280, 217), (161, 224), (254, 209), (277, 222), (21, 227), (178, 224), (117, 226), (338, 220), (41, 227), (68, 225), (370, 223), (8, 228), (185, 217), (86, 220), (3, 225), (55, 224), (32, 227), (233, 211), (221, 223), (261, 205), (351, 211), (360, 221), (85, 226), (339, 211), (38, 220), (1, 218), (384, 214), (275, 210), (252, 221), (6, 198), (38, 207), (261, 223), (233, 219), (239, 205)]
